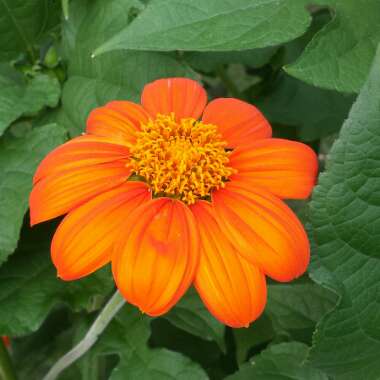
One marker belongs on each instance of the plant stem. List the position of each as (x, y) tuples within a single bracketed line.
[(6, 367), (114, 304), (65, 9)]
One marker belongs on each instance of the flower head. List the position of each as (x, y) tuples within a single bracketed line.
[(185, 159), (175, 192)]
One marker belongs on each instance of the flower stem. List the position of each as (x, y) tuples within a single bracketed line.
[(114, 304), (6, 368), (65, 9)]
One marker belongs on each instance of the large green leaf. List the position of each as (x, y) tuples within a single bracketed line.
[(191, 315), (19, 157), (340, 55), (158, 364), (118, 75), (285, 361), (213, 25), (21, 97), (298, 306), (29, 287), (292, 311), (210, 61), (22, 23), (313, 112), (346, 226)]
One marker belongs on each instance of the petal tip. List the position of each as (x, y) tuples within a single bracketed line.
[(183, 96)]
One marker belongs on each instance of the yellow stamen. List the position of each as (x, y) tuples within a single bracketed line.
[(184, 159)]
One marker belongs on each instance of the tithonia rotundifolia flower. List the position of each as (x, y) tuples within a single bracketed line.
[(174, 192)]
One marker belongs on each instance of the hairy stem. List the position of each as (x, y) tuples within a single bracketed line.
[(101, 322), (6, 367)]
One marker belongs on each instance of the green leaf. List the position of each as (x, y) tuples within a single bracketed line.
[(313, 112), (340, 55), (210, 61), (29, 287), (298, 306), (158, 364), (320, 18), (259, 332), (346, 224), (191, 315), (213, 25), (20, 97), (285, 361), (165, 335), (292, 311), (19, 158), (22, 24), (120, 75)]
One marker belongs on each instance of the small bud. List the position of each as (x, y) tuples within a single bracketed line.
[(51, 58)]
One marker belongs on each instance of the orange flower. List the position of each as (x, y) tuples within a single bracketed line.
[(171, 201), (6, 341)]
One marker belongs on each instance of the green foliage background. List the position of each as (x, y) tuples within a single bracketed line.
[(311, 67)]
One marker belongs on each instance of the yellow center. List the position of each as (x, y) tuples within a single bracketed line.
[(185, 159)]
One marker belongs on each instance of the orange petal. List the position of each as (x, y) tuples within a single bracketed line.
[(59, 193), (286, 168), (85, 238), (239, 122), (6, 341), (80, 152), (233, 289), (263, 229), (154, 263), (185, 97), (118, 120)]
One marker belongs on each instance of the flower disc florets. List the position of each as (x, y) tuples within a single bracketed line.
[(185, 159)]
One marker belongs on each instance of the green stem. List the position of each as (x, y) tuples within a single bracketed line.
[(65, 9), (115, 303), (6, 368), (228, 83)]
